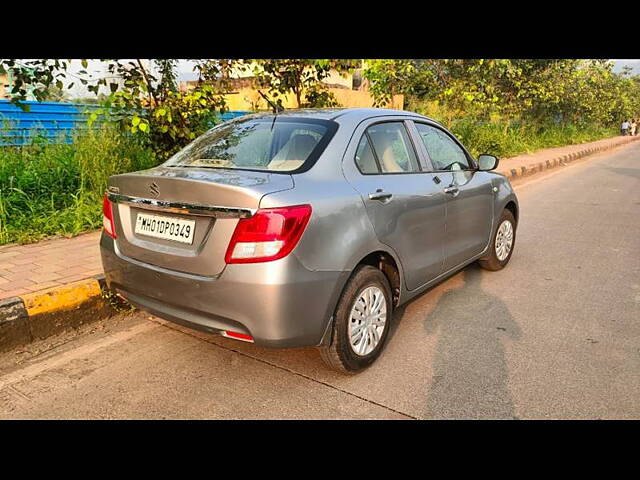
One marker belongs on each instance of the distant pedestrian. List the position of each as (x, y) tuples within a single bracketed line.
[(625, 127), (633, 127)]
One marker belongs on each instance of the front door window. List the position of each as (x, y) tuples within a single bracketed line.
[(445, 154)]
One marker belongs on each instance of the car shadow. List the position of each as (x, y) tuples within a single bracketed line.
[(630, 172), (470, 374)]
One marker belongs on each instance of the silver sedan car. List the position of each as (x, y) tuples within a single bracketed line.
[(305, 228)]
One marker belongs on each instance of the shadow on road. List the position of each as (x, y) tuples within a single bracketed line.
[(470, 377), (630, 172)]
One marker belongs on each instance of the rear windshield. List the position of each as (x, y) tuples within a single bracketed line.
[(257, 144)]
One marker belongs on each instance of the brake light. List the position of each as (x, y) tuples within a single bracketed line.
[(107, 217), (268, 235), (238, 336)]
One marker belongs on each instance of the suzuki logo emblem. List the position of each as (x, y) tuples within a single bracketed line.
[(154, 189)]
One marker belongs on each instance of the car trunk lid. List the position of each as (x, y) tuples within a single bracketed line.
[(210, 200)]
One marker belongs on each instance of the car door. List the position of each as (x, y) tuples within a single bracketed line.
[(469, 209), (405, 206)]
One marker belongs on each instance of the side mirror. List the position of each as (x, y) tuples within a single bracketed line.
[(487, 162)]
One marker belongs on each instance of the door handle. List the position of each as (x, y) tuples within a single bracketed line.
[(452, 190), (381, 195)]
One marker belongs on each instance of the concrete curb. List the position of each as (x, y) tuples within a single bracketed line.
[(524, 171), (38, 315)]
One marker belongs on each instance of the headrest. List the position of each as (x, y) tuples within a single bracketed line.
[(301, 145)]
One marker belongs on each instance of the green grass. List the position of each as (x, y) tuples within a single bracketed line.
[(507, 139), (56, 189)]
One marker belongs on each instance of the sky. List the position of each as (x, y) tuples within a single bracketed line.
[(635, 64)]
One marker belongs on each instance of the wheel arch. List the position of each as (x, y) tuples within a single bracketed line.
[(389, 266), (513, 208)]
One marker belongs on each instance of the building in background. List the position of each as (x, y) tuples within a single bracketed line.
[(349, 90), (4, 81)]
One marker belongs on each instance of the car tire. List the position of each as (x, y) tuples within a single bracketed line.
[(340, 354), (494, 260)]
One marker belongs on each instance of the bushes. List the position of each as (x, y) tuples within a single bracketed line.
[(509, 137), (506, 139), (51, 189), (575, 89)]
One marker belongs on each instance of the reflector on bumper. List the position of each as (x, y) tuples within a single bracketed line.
[(237, 336)]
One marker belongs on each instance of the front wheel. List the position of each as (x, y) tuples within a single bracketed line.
[(361, 322), (502, 243)]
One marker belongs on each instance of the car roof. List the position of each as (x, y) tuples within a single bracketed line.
[(338, 113)]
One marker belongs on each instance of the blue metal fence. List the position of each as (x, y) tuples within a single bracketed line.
[(233, 114), (52, 121)]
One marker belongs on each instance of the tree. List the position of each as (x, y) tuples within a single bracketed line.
[(536, 90), (35, 77), (146, 100), (301, 77), (388, 77), (149, 101)]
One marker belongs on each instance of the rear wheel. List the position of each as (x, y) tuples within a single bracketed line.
[(361, 322), (502, 243)]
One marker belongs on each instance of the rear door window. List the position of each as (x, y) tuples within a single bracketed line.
[(386, 148)]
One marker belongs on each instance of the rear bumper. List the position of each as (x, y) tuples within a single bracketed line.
[(280, 304)]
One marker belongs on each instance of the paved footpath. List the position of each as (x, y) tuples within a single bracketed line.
[(532, 160), (50, 263), (46, 264)]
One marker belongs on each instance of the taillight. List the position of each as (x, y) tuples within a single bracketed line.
[(107, 217), (268, 235)]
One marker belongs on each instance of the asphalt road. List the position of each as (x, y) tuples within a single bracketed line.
[(554, 335)]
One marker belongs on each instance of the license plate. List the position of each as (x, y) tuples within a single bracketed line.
[(167, 228)]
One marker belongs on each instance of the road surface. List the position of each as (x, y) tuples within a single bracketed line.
[(554, 335)]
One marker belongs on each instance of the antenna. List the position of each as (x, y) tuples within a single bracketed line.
[(276, 108)]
